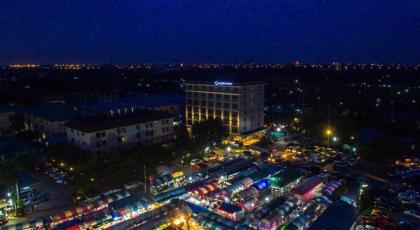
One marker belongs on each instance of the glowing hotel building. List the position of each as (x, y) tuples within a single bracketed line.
[(239, 105)]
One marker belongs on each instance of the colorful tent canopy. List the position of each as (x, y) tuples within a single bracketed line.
[(38, 224), (240, 185), (86, 208), (202, 191)]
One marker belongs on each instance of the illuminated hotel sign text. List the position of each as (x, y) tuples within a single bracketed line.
[(222, 83)]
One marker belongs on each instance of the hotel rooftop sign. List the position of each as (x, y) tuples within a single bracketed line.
[(223, 83)]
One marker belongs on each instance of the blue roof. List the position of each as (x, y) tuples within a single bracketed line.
[(6, 109), (338, 216), (56, 138), (52, 112), (154, 101), (103, 106), (150, 102), (26, 180), (11, 146), (230, 208)]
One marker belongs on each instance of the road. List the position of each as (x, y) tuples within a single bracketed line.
[(61, 198)]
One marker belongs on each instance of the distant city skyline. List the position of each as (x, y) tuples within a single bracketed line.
[(230, 31)]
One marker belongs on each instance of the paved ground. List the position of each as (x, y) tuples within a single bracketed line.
[(60, 199)]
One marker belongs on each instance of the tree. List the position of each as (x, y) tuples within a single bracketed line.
[(10, 177), (209, 131), (383, 151)]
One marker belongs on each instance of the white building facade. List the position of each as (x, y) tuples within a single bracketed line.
[(100, 136), (240, 106)]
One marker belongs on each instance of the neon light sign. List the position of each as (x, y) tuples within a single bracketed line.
[(222, 83)]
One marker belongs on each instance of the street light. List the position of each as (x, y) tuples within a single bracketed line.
[(328, 132), (335, 139)]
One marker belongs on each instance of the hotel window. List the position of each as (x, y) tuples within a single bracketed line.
[(226, 105), (189, 101), (218, 104), (234, 106), (203, 96), (218, 97), (210, 104), (203, 111), (210, 96), (226, 114), (210, 112), (203, 103), (196, 102), (234, 98), (226, 97)]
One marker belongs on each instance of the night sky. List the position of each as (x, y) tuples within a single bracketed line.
[(205, 31)]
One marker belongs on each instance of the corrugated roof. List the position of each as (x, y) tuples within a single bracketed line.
[(284, 177), (307, 185), (230, 208), (338, 216)]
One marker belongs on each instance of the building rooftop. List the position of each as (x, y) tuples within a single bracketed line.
[(230, 208), (154, 101), (307, 185), (338, 216), (284, 177), (237, 82), (93, 124), (103, 107), (52, 113), (9, 146), (149, 102)]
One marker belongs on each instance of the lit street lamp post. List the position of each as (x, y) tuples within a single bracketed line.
[(328, 132)]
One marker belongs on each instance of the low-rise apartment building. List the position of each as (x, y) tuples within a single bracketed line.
[(101, 134)]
